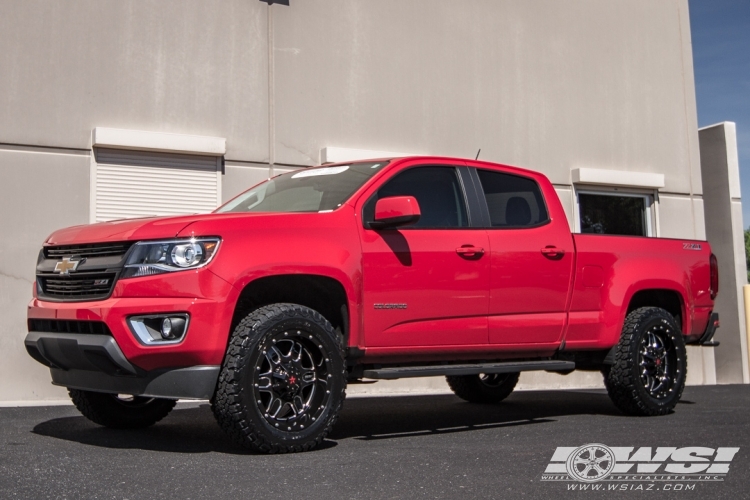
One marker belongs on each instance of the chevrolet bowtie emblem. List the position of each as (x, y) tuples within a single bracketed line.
[(67, 264)]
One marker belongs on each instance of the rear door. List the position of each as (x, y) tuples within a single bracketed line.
[(420, 289), (531, 261)]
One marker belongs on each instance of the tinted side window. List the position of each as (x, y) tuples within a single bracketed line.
[(436, 189), (513, 201)]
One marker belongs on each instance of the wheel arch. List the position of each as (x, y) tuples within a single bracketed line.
[(669, 299), (323, 294)]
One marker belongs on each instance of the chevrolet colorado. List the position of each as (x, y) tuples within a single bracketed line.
[(382, 269)]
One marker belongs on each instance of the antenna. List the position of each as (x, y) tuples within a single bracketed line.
[(477, 157)]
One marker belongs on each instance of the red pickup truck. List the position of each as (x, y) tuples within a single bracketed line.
[(382, 269)]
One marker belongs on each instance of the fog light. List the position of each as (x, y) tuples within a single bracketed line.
[(166, 328), (159, 329)]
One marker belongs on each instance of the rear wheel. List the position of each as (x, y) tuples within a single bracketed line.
[(120, 411), (650, 366), (483, 388), (283, 380)]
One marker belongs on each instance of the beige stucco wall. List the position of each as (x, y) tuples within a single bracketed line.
[(543, 84), (183, 66), (53, 192)]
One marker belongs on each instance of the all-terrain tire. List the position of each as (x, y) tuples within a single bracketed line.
[(283, 380), (650, 364), (116, 412), (484, 389)]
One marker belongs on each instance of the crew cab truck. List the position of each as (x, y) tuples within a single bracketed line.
[(382, 269)]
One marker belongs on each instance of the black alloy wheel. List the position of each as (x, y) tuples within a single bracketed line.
[(291, 380), (657, 360)]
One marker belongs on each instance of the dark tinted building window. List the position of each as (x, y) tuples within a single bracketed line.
[(604, 214), (437, 191), (513, 201)]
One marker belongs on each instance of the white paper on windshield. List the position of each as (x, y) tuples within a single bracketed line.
[(313, 172)]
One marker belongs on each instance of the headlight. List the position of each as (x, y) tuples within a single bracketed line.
[(157, 257)]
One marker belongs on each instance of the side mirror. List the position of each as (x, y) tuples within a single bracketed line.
[(395, 211)]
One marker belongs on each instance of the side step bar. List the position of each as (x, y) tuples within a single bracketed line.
[(470, 369)]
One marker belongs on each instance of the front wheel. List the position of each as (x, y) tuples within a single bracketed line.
[(283, 380), (484, 388), (650, 365), (120, 411)]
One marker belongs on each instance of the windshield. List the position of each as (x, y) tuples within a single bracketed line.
[(319, 189)]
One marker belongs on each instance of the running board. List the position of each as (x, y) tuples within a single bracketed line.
[(472, 369)]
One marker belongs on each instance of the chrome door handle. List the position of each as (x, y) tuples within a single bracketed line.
[(552, 251), (469, 251)]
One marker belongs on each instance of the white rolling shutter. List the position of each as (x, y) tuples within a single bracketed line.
[(130, 184)]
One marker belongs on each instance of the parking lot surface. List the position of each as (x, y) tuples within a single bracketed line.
[(432, 446)]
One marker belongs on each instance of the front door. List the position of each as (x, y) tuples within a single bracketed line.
[(420, 288)]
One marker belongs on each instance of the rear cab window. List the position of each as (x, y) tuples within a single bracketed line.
[(513, 201)]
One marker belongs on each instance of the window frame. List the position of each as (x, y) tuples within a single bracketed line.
[(466, 191), (649, 196), (485, 209)]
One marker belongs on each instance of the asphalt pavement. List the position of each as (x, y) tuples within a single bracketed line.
[(434, 446)]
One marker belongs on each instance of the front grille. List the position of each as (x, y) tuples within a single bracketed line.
[(79, 286), (92, 250), (69, 326)]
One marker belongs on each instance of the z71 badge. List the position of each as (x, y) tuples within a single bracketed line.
[(390, 306), (692, 246)]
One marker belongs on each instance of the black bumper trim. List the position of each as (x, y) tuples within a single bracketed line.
[(67, 351), (96, 363), (195, 382)]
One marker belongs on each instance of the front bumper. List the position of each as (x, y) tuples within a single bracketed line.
[(208, 299), (96, 363), (112, 359)]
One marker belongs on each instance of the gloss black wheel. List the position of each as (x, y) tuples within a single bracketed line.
[(291, 379), (650, 365), (283, 380), (657, 360)]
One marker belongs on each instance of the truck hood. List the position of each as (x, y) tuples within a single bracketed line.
[(124, 230)]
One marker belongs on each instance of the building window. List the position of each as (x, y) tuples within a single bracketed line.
[(615, 213)]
